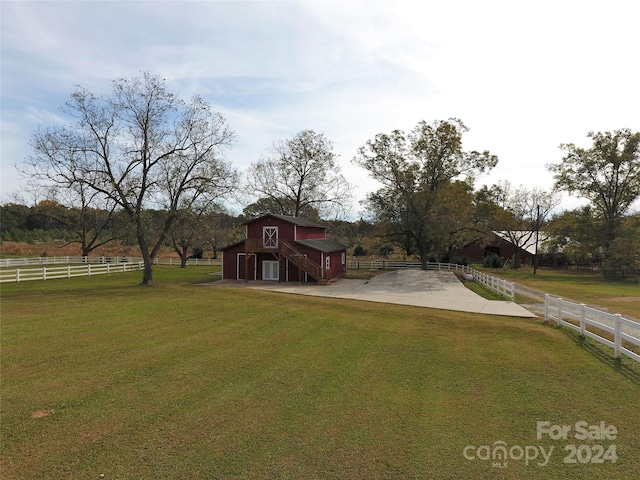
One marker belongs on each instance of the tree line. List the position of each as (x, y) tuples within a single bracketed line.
[(144, 166)]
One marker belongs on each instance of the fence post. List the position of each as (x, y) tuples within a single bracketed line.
[(617, 340), (68, 271), (88, 269), (559, 311), (582, 315), (546, 307)]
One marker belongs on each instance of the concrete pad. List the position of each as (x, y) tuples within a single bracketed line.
[(420, 288)]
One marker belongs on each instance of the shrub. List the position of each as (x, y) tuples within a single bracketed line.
[(493, 261), (359, 251)]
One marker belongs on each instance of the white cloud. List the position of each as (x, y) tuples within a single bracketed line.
[(523, 77)]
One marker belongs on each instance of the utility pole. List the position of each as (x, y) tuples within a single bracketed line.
[(535, 258)]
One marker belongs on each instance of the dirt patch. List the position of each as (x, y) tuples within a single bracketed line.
[(625, 299), (41, 413)]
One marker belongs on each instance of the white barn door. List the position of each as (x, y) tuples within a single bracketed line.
[(270, 270)]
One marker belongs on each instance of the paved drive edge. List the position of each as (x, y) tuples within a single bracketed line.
[(420, 288)]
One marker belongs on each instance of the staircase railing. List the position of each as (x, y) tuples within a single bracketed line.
[(300, 260)]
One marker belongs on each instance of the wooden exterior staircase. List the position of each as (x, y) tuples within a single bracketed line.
[(287, 250)]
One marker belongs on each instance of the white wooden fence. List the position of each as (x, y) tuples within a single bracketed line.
[(498, 285), (620, 328), (44, 268), (68, 271), (68, 260)]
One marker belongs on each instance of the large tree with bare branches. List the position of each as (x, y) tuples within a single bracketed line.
[(301, 175), (141, 147)]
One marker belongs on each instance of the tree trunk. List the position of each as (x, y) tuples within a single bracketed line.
[(516, 258), (423, 260), (147, 276), (182, 251)]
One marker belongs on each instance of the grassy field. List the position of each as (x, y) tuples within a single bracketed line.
[(103, 376), (581, 287)]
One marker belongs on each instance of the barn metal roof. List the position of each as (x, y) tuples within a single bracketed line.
[(322, 245), (303, 222)]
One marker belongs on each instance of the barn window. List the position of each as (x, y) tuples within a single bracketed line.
[(344, 258), (270, 237), (328, 262)]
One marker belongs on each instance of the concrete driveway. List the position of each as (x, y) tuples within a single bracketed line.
[(420, 288)]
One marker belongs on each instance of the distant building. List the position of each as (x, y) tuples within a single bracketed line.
[(502, 245), (281, 248)]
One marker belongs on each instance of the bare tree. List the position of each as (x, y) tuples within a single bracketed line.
[(302, 174), (528, 210), (193, 230), (141, 147), (85, 213)]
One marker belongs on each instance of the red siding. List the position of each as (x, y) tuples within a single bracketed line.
[(338, 263), (310, 233), (476, 251), (233, 258), (285, 229), (229, 265)]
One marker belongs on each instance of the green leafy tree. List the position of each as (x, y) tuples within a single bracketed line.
[(414, 169), (15, 225), (578, 235), (624, 254), (607, 174)]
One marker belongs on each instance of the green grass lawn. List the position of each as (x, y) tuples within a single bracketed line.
[(101, 375)]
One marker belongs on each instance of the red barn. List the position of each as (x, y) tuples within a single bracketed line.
[(502, 244), (284, 249)]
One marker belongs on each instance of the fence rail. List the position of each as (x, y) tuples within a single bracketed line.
[(620, 328), (68, 260), (63, 260), (498, 285), (49, 273), (44, 268)]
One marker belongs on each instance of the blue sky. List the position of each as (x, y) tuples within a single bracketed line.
[(523, 76)]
